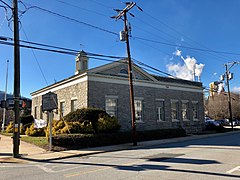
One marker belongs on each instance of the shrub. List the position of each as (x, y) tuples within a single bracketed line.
[(31, 131), (84, 114), (103, 139), (9, 128), (107, 124), (28, 119)]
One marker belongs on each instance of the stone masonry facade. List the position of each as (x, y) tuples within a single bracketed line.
[(149, 96), (92, 88)]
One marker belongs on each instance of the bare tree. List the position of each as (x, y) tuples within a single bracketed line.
[(217, 106)]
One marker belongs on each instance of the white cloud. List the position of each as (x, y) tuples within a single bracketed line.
[(178, 53), (190, 62), (180, 71), (199, 69), (186, 70), (215, 74)]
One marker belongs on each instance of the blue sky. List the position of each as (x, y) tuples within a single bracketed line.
[(201, 24)]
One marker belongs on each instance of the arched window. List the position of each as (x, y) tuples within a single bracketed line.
[(123, 71)]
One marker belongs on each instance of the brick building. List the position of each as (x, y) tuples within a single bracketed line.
[(160, 102)]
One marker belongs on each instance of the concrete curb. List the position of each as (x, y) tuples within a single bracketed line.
[(40, 155), (48, 156)]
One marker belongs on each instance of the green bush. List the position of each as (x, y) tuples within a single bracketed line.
[(103, 139), (31, 131), (107, 124), (27, 119), (86, 114)]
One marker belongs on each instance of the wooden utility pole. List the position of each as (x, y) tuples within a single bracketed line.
[(16, 124), (229, 95), (123, 13)]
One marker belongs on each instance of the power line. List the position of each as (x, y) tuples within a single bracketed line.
[(84, 9), (6, 4), (185, 47), (72, 19), (66, 50), (35, 57), (178, 32)]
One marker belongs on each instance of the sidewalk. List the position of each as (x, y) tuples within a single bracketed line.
[(32, 153)]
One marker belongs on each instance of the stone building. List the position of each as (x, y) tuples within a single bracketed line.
[(160, 102)]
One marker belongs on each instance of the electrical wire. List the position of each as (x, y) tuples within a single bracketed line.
[(78, 7), (72, 19), (178, 32), (35, 57), (185, 47), (68, 50), (6, 4)]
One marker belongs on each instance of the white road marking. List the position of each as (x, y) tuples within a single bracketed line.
[(234, 169)]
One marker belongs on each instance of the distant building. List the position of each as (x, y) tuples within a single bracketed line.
[(160, 102)]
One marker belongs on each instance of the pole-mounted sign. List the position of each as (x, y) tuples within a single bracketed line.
[(49, 103)]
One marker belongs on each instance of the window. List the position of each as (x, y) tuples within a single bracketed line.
[(111, 106), (62, 108), (195, 110), (138, 110), (175, 110), (41, 113), (160, 108), (124, 71), (35, 112), (185, 110), (73, 105)]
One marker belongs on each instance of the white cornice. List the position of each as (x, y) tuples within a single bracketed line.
[(61, 85), (115, 80), (145, 83)]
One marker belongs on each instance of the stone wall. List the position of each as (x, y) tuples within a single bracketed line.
[(77, 91), (99, 90)]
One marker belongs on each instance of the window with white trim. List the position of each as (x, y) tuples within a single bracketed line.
[(35, 112), (160, 108), (185, 110), (111, 106), (175, 110), (62, 108), (41, 113), (195, 110), (73, 105), (138, 110)]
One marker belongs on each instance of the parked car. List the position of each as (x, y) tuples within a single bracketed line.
[(223, 122), (211, 124), (235, 122)]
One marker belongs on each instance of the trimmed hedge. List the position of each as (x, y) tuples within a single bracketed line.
[(28, 119), (78, 141)]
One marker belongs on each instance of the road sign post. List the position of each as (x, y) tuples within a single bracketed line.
[(49, 103)]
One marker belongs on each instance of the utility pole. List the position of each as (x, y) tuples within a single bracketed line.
[(229, 97), (16, 124), (123, 13), (5, 98), (226, 74)]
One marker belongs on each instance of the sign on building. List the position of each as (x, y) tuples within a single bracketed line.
[(49, 102)]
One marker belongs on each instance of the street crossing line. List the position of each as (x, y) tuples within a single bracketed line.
[(234, 169)]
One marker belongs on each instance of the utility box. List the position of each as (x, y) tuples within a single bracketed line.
[(122, 36)]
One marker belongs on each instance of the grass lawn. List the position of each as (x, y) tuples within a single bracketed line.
[(38, 141)]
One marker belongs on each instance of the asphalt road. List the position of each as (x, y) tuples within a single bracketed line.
[(209, 158)]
